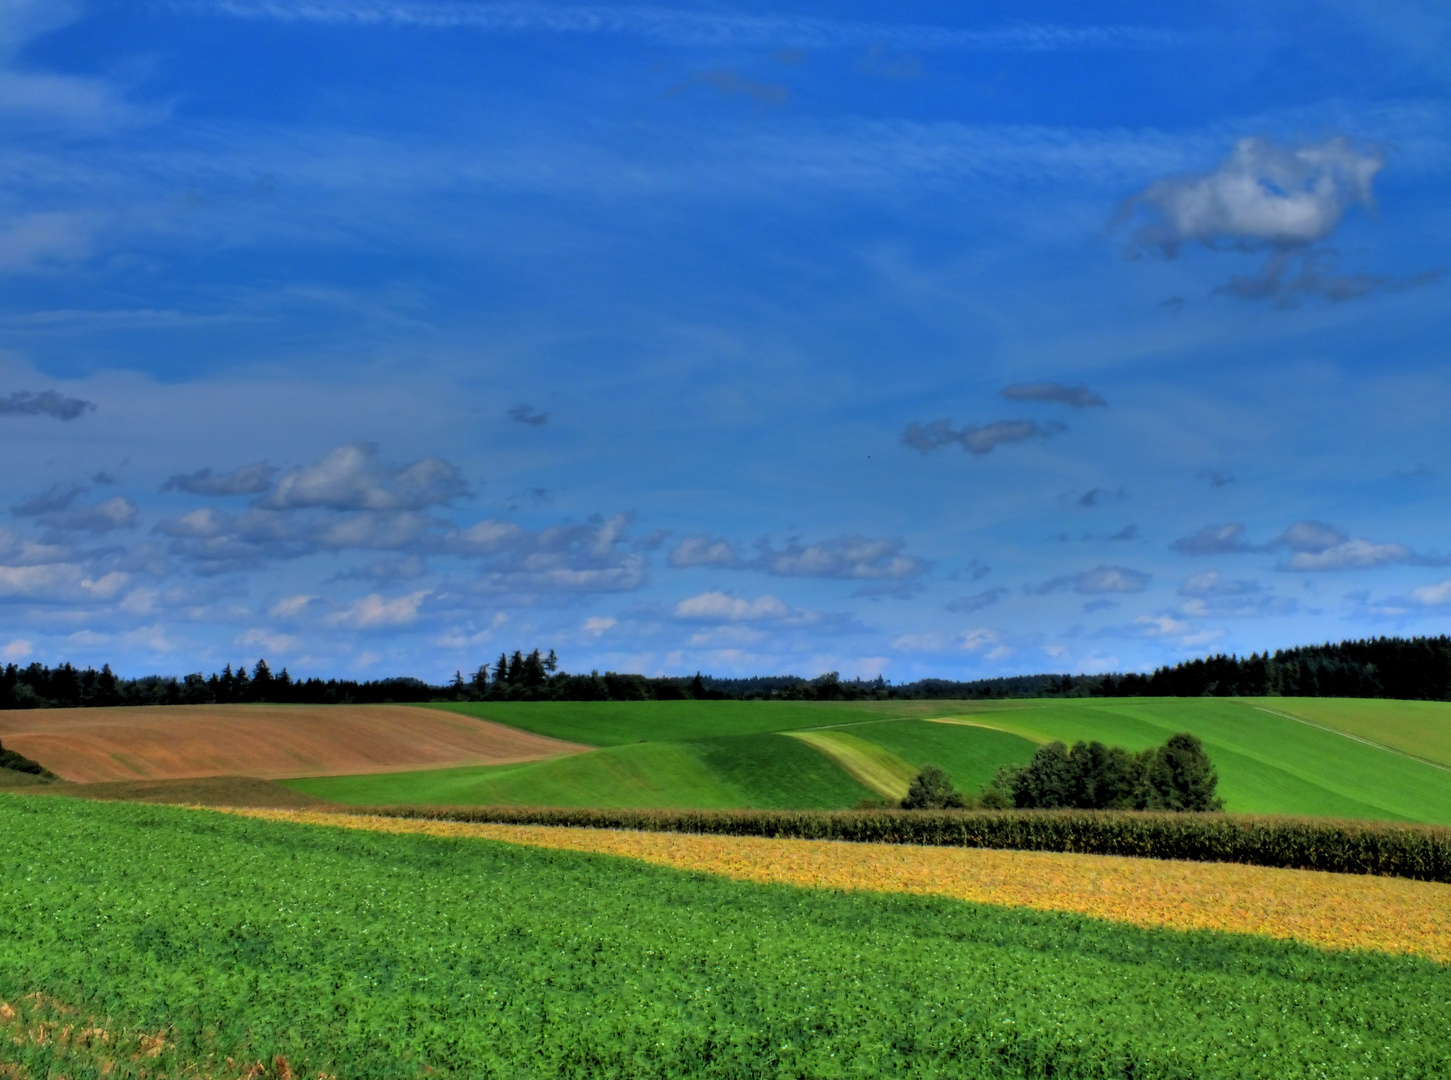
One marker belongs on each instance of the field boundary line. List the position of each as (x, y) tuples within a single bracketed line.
[(1357, 738)]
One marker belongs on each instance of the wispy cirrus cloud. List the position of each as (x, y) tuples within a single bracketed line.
[(690, 28)]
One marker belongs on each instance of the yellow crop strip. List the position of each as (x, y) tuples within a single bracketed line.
[(1336, 911)]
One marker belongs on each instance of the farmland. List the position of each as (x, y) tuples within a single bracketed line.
[(368, 955), (173, 742), (1367, 759)]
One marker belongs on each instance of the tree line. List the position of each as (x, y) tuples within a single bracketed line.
[(1384, 667)]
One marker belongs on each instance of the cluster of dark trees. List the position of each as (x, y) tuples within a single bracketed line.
[(1413, 668), (1089, 776), (1092, 776)]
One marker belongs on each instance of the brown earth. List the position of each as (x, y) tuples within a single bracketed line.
[(269, 741)]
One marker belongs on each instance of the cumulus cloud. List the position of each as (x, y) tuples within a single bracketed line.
[(1214, 540), (60, 583), (375, 611), (1280, 199), (216, 541), (1080, 396), (595, 556), (848, 557), (721, 607), (704, 551), (977, 601), (1311, 546), (1211, 594), (851, 557), (251, 479), (56, 510), (352, 478), (45, 403), (1099, 580), (1263, 194), (975, 440), (52, 500)]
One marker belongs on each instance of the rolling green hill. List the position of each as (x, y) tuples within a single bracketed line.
[(1365, 759), (763, 770)]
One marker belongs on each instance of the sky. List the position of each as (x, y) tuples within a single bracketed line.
[(374, 337)]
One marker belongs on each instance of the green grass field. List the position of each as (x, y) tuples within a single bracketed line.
[(384, 957), (1375, 759)]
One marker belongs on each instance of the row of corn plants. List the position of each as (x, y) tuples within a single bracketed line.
[(1422, 852), (373, 956)]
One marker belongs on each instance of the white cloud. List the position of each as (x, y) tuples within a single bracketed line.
[(1096, 582), (718, 606), (703, 551), (269, 641), (352, 478), (596, 625), (374, 611), (977, 640), (16, 650), (1262, 193), (292, 607), (1350, 554), (60, 583), (1436, 595), (850, 557)]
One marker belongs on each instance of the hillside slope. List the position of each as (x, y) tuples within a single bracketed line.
[(269, 741)]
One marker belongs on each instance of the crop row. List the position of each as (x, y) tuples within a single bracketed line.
[(1340, 911), (374, 956), (1421, 852)]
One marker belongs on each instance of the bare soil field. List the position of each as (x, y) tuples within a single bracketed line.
[(273, 742)]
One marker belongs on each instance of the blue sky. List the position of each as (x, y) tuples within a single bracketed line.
[(376, 336)]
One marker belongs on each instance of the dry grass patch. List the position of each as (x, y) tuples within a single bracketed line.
[(1336, 911)]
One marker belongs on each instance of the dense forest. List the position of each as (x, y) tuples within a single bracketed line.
[(1414, 668)]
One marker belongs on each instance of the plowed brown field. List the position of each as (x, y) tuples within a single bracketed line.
[(268, 741)]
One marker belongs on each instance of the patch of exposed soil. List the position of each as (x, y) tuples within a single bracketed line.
[(90, 746)]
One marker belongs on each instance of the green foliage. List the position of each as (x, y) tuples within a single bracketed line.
[(1091, 776), (1178, 776), (1349, 847), (931, 789), (19, 763), (377, 957)]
